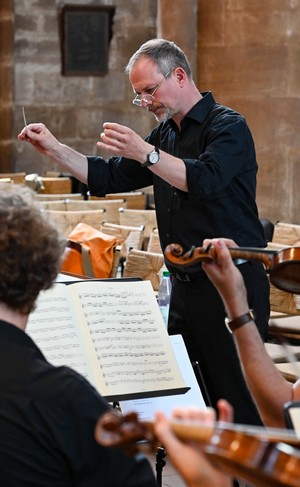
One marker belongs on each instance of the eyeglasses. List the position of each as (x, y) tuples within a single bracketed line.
[(147, 99)]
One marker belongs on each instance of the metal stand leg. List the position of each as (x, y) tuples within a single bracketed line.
[(160, 463)]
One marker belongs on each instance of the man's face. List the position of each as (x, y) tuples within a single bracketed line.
[(153, 89)]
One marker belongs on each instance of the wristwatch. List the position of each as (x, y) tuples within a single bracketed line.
[(242, 320), (152, 158)]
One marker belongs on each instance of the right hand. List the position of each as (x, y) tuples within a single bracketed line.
[(39, 137)]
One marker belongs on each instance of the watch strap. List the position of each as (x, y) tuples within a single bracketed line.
[(242, 320), (148, 163)]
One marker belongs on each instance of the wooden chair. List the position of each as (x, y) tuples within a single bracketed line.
[(145, 265), (148, 190), (111, 207), (5, 181), (135, 200), (56, 205), (135, 218), (65, 220), (287, 234), (289, 371), (15, 177), (128, 237), (58, 196), (278, 353), (116, 262), (56, 185), (154, 242)]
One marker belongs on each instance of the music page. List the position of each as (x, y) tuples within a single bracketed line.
[(113, 333)]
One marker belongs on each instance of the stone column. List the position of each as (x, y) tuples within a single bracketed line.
[(177, 21), (6, 85)]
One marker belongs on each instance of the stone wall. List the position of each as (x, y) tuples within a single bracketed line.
[(249, 56), (74, 107), (247, 53), (6, 84)]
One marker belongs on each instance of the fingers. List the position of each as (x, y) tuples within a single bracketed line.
[(219, 242), (32, 131), (194, 413), (225, 411)]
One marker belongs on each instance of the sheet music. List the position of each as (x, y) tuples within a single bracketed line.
[(147, 407), (126, 329), (112, 333), (53, 328)]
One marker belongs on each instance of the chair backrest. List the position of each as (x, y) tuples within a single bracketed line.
[(56, 185), (136, 218), (111, 207), (283, 302), (15, 177), (134, 199), (287, 234), (128, 237), (57, 205), (154, 242), (5, 181), (145, 265), (116, 262), (58, 196), (65, 220)]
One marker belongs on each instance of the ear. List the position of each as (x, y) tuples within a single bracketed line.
[(180, 76)]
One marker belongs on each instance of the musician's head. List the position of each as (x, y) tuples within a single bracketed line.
[(30, 249)]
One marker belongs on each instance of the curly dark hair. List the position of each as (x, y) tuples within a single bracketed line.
[(30, 250)]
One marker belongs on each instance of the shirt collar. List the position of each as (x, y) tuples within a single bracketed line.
[(199, 111)]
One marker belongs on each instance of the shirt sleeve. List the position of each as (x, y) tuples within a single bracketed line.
[(116, 175), (228, 154), (91, 464)]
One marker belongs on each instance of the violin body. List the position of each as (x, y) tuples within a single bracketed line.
[(261, 458), (283, 265), (255, 460)]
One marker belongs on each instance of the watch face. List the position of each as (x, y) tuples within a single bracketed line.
[(153, 157)]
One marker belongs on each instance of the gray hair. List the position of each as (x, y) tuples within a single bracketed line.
[(165, 54)]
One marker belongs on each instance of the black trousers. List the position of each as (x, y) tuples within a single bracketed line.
[(197, 313)]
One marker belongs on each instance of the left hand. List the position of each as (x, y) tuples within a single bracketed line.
[(123, 141), (187, 457), (221, 272)]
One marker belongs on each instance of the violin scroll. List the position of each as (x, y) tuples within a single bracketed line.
[(174, 255), (114, 429), (283, 265)]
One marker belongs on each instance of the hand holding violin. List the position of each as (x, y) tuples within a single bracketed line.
[(282, 265), (187, 456), (221, 271), (202, 449)]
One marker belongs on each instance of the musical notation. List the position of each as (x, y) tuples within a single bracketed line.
[(111, 335)]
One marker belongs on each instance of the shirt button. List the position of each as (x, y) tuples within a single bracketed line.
[(168, 210), (168, 235)]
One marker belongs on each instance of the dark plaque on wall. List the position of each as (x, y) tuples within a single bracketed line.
[(86, 33)]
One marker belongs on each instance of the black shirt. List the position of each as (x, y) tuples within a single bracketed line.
[(47, 423), (217, 148)]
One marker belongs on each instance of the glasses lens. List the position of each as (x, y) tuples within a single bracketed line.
[(137, 102), (144, 101)]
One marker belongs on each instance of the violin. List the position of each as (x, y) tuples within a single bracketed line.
[(283, 265), (263, 457)]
